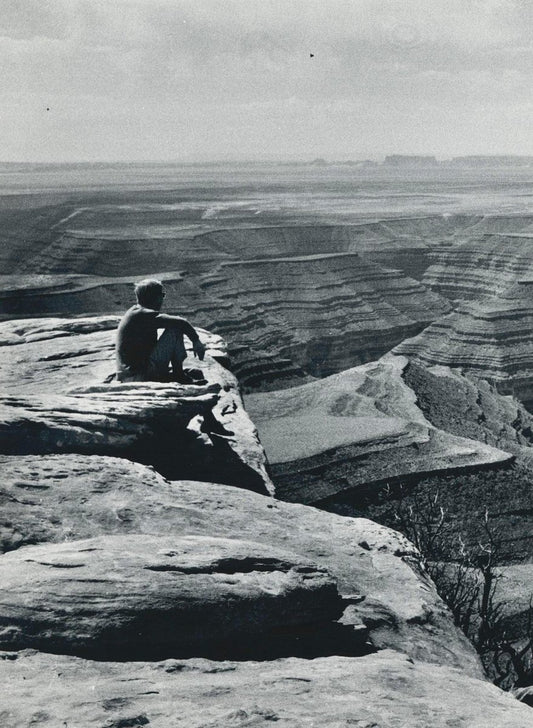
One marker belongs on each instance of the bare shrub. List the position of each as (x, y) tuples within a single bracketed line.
[(467, 578)]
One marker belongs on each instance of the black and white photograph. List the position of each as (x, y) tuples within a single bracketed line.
[(266, 363)]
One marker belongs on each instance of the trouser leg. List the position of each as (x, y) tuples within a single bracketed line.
[(169, 349)]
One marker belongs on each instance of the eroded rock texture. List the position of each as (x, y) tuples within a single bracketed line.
[(55, 400), (293, 301), (143, 597), (285, 317), (356, 429), (491, 338), (64, 498), (115, 240), (324, 313), (466, 408), (386, 689)]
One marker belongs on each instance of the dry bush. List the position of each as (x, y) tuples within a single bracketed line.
[(466, 577)]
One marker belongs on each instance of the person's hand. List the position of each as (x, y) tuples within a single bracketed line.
[(198, 349)]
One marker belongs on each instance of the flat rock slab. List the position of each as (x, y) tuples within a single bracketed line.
[(54, 399), (145, 597), (352, 429), (386, 690), (68, 497)]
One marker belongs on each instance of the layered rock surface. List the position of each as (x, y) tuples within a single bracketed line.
[(117, 239), (356, 429), (313, 314), (139, 597), (491, 338), (292, 564), (55, 400), (386, 690), (292, 300), (335, 312), (497, 254), (396, 430), (64, 498), (322, 312)]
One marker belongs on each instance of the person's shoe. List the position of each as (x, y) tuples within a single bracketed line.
[(197, 375), (191, 376), (183, 378)]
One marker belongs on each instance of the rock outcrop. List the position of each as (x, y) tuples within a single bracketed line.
[(491, 338), (470, 408), (293, 301), (356, 430), (117, 239), (103, 558), (55, 400), (397, 430), (50, 500), (144, 597), (386, 689)]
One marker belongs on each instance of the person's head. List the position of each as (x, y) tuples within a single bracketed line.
[(150, 293)]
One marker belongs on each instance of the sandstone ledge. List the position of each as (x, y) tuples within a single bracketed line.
[(386, 690), (54, 400), (143, 597), (53, 499), (354, 429)]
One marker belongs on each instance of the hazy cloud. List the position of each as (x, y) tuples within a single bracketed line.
[(167, 78)]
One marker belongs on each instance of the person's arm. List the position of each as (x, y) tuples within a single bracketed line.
[(164, 321)]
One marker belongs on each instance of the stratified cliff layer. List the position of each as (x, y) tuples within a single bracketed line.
[(495, 257), (324, 313), (293, 301), (355, 430), (285, 317), (491, 338), (116, 240)]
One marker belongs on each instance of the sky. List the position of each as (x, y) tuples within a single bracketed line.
[(199, 80)]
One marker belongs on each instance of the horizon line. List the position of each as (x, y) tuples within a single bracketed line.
[(270, 160)]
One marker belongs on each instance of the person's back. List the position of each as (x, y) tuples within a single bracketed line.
[(136, 339), (140, 354)]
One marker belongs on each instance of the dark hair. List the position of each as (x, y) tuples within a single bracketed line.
[(148, 291)]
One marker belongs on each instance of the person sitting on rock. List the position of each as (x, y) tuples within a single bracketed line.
[(140, 355)]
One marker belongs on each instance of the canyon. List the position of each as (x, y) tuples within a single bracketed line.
[(227, 553)]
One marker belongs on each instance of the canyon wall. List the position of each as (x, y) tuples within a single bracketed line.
[(485, 265), (490, 338), (286, 317), (295, 302)]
